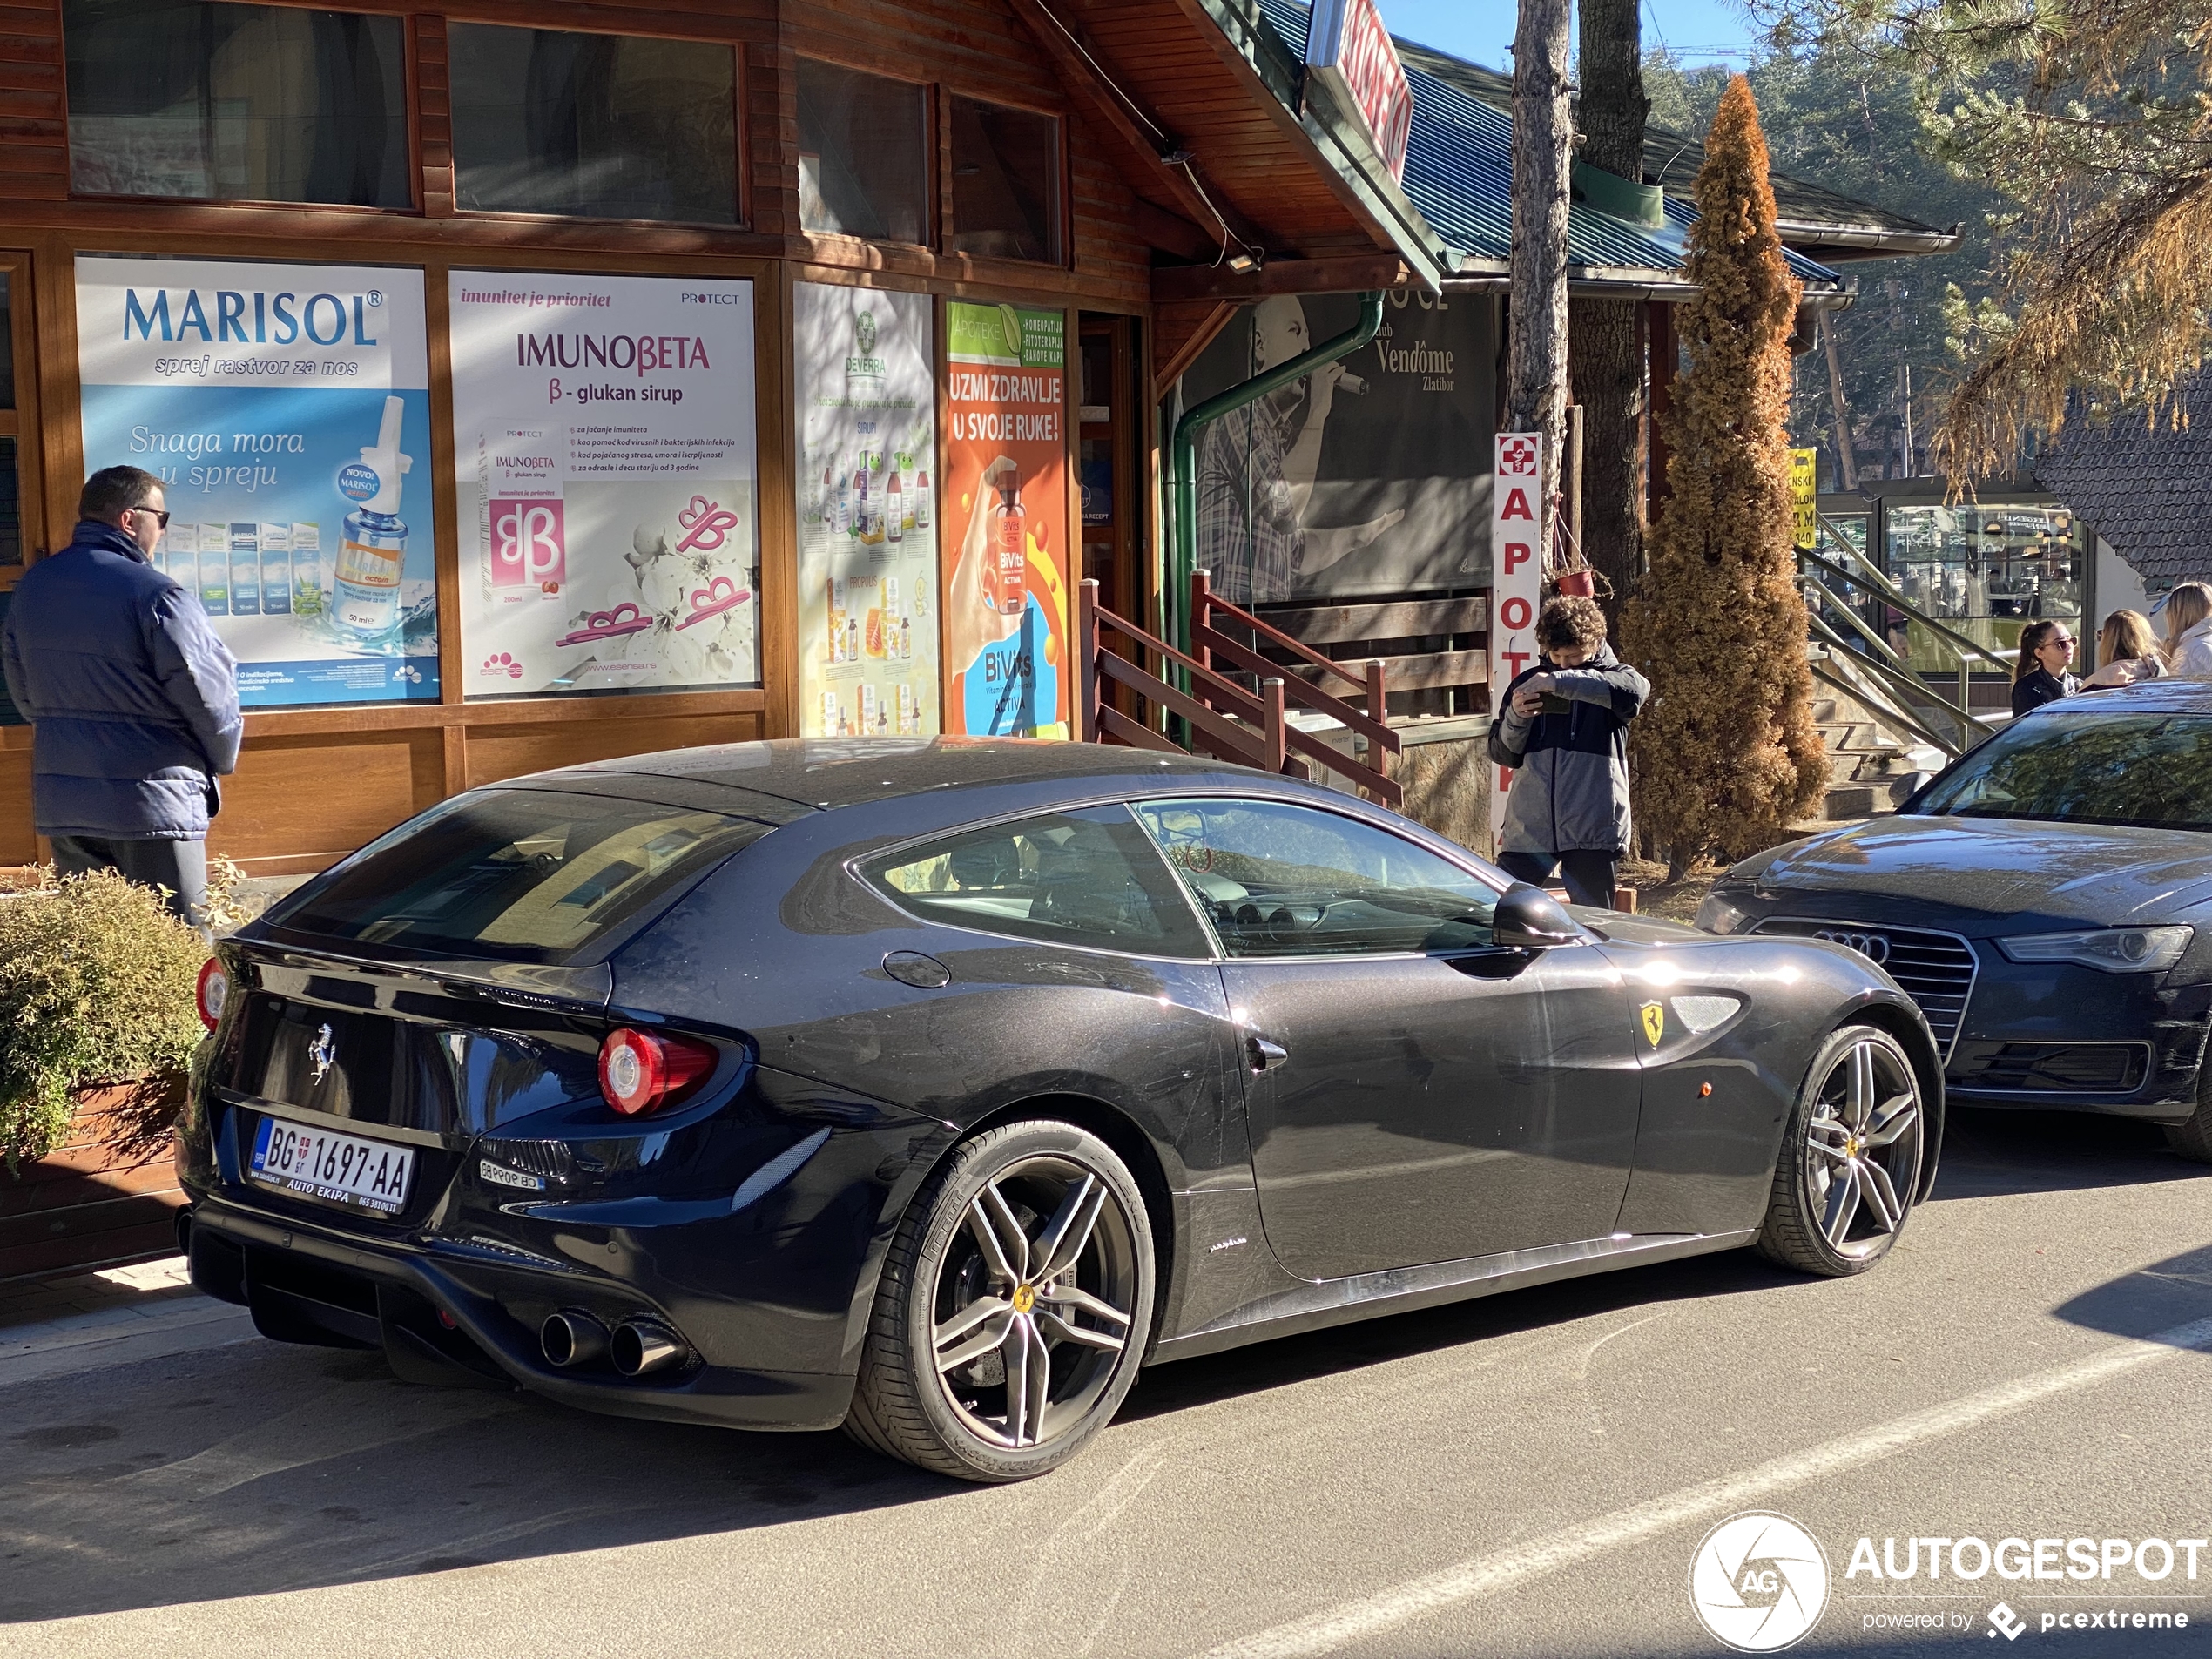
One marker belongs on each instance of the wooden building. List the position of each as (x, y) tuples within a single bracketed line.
[(801, 217)]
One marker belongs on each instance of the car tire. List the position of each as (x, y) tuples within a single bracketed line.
[(1851, 1159), (1031, 1243), (2192, 1137)]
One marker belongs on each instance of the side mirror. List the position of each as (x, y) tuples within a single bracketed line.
[(1529, 919)]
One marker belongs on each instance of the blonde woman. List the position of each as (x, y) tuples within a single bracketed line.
[(2188, 631), (2127, 651)]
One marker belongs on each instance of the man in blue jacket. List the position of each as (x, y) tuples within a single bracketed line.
[(133, 699)]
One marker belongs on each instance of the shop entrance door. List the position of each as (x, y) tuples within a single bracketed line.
[(1109, 468)]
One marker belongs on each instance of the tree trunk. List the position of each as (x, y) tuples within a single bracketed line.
[(1609, 350), (1608, 362), (1542, 132), (1846, 441)]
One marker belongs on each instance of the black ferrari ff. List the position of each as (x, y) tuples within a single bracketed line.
[(931, 1087), (2046, 900)]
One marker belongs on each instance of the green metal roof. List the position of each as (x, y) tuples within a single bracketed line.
[(1458, 174)]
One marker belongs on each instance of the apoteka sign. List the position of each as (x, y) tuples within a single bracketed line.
[(1348, 45), (1758, 1581)]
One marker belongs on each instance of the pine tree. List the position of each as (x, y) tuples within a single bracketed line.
[(1726, 754)]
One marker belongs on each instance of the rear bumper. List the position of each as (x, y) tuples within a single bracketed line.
[(313, 1284)]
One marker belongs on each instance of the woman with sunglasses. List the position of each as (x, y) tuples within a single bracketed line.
[(2041, 675)]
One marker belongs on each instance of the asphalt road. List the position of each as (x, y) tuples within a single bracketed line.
[(1531, 1474)]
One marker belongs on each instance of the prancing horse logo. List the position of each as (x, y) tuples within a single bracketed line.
[(322, 1051)]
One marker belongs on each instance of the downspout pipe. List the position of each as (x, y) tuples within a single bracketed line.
[(1182, 458)]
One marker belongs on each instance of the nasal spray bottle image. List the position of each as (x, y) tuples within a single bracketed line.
[(373, 548)]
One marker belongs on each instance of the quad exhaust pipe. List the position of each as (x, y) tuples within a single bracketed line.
[(642, 1347)]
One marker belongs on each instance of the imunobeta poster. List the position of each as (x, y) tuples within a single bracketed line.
[(604, 471), (1006, 516), (286, 410), (867, 512)]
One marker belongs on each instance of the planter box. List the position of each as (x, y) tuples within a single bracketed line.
[(87, 1206)]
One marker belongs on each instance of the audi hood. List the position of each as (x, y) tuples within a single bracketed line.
[(1980, 875)]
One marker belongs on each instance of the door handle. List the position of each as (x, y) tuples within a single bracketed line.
[(1266, 1055)]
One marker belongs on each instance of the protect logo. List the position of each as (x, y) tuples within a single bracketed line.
[(1654, 1017), (1759, 1582)]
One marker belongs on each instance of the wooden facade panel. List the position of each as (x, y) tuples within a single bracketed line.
[(508, 752), (17, 844), (303, 802)]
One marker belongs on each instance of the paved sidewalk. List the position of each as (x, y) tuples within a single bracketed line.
[(82, 1321)]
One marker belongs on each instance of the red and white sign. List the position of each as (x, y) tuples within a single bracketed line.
[(1516, 579), (1348, 46)]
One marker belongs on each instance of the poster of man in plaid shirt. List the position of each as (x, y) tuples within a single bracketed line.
[(1360, 478)]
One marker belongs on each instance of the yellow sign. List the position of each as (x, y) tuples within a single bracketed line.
[(1805, 481), (1655, 1021)]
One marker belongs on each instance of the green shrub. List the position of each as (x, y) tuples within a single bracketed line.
[(97, 986)]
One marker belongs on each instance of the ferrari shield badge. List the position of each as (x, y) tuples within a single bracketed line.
[(1655, 1021)]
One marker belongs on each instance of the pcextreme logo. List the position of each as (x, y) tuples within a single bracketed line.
[(1759, 1582)]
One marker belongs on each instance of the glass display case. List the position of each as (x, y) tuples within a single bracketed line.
[(1984, 569)]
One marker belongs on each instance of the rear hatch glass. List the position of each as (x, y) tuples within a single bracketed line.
[(525, 875)]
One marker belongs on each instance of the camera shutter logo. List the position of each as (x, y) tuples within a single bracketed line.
[(1759, 1582)]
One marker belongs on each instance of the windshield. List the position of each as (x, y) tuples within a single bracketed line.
[(527, 875), (2151, 770)]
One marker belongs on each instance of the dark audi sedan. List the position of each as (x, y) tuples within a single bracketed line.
[(931, 1088), (2046, 900)]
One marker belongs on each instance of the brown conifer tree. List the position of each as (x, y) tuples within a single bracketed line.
[(1726, 755)]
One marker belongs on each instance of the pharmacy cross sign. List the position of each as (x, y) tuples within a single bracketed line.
[(1517, 456)]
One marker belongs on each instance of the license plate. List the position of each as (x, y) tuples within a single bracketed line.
[(337, 1169)]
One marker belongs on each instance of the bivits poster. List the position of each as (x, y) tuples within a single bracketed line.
[(867, 522), (1006, 511), (604, 460), (286, 410)]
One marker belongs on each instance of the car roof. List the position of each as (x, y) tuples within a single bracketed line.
[(829, 773), (2146, 697)]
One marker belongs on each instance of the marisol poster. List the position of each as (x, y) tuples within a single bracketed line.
[(603, 455), (867, 535), (286, 409), (1005, 507)]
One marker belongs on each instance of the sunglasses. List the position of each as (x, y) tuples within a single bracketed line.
[(161, 519)]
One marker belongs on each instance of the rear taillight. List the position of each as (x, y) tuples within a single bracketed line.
[(213, 991), (639, 1071)]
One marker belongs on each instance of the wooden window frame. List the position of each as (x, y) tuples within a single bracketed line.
[(410, 105), (21, 423), (934, 143), (949, 227), (742, 154)]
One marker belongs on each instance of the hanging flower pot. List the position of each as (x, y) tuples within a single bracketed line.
[(1576, 583)]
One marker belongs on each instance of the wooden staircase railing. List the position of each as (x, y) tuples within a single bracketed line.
[(1224, 719)]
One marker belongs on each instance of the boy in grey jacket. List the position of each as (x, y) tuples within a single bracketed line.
[(1564, 732)]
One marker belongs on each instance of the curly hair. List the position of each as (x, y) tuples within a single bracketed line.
[(1570, 619)]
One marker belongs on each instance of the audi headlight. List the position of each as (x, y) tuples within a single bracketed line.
[(1717, 915), (2114, 950)]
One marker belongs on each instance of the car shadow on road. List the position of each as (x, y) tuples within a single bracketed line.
[(1990, 1152), (260, 1467)]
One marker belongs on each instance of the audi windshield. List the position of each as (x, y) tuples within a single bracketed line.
[(2154, 771)]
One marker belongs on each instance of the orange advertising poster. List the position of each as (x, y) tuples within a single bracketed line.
[(1005, 607)]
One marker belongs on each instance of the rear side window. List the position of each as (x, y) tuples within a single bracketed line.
[(524, 875), (1088, 877)]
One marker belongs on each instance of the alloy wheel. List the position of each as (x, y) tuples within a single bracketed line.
[(1033, 1307), (1862, 1147)]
